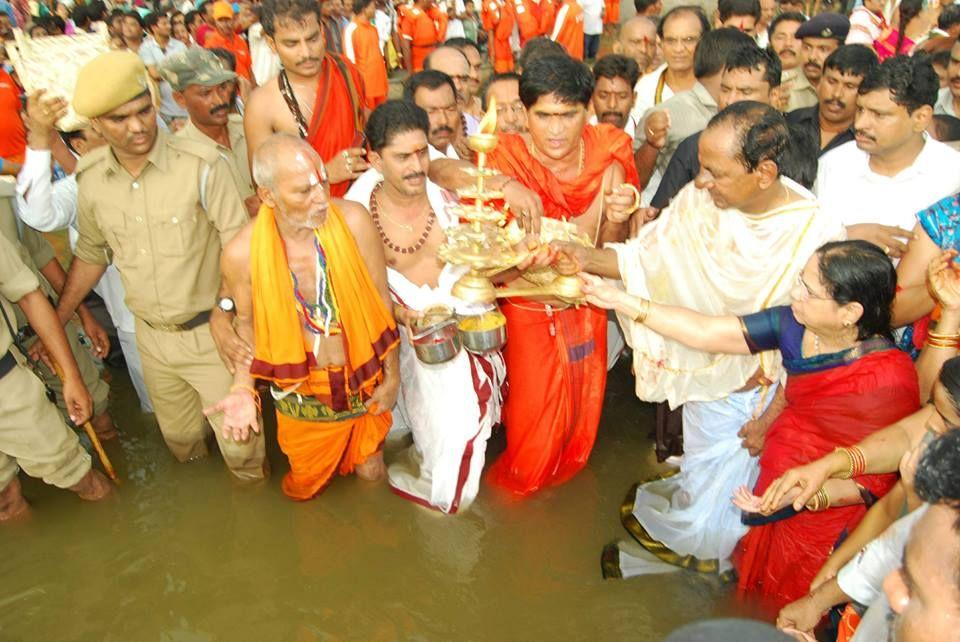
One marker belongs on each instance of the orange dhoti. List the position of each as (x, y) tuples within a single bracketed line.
[(320, 442), (557, 368)]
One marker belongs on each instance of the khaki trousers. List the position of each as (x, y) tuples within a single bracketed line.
[(33, 435), (184, 375), (99, 389)]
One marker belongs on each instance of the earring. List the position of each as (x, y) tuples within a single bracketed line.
[(846, 324)]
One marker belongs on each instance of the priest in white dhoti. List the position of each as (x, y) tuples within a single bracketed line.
[(732, 242), (450, 408)]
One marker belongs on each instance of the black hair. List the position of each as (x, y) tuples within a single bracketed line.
[(756, 59), (800, 157), (495, 78), (461, 44), (56, 23), (761, 132), (360, 5), (81, 16), (617, 66), (946, 128), (909, 9), (949, 16), (852, 60), (428, 79), (787, 16), (568, 79), (685, 8), (912, 82), (135, 16), (189, 17), (97, 11), (294, 10), (860, 272), (537, 48), (152, 19), (950, 378), (937, 480), (392, 118), (939, 58), (226, 56), (714, 47), (70, 137), (726, 9), (643, 5)]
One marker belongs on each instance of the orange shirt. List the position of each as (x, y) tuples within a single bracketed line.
[(361, 46), (568, 30), (419, 29), (237, 46), (534, 18), (13, 135)]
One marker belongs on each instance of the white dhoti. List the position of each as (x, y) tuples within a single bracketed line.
[(450, 409), (690, 512)]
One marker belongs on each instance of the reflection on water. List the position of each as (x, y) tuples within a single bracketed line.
[(181, 554)]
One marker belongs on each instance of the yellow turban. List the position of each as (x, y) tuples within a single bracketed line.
[(108, 81)]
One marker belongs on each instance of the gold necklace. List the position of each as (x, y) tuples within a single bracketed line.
[(405, 226)]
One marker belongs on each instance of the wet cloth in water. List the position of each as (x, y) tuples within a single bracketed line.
[(282, 356)]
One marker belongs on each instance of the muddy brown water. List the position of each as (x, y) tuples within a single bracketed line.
[(181, 554)]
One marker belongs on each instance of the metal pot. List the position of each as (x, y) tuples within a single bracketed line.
[(437, 343), (490, 336)]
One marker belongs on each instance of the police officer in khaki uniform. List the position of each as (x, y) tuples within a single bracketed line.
[(203, 87), (33, 435), (162, 206)]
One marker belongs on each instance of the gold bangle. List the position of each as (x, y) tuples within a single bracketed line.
[(636, 197), (820, 501), (943, 346), (943, 337), (641, 316), (847, 474), (859, 460)]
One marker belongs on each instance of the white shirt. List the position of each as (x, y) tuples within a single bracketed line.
[(944, 103), (151, 54), (592, 16), (263, 62), (47, 206), (853, 193), (862, 577), (646, 92)]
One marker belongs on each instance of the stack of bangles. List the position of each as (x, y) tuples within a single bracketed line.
[(819, 502), (935, 340), (253, 392), (857, 463), (641, 316)]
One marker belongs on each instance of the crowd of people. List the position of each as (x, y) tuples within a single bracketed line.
[(770, 201)]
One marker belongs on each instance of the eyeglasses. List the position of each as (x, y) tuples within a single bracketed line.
[(516, 109), (687, 43), (807, 293)]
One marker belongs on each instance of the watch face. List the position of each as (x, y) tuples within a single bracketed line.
[(226, 304)]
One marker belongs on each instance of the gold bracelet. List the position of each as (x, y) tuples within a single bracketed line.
[(641, 316), (944, 346), (636, 197), (849, 472), (943, 337), (859, 460), (820, 501)]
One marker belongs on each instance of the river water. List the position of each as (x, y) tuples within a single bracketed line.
[(182, 554)]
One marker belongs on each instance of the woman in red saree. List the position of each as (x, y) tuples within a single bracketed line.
[(846, 380)]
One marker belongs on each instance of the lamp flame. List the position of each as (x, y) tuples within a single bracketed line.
[(488, 124)]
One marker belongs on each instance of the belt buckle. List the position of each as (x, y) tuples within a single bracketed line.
[(167, 327)]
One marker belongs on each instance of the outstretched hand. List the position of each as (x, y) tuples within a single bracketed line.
[(240, 415), (599, 292)]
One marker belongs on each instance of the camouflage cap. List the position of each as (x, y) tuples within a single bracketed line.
[(194, 66)]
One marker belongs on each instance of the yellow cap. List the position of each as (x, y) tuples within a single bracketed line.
[(108, 81), (222, 9)]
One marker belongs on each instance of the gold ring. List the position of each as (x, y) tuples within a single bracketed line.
[(886, 250)]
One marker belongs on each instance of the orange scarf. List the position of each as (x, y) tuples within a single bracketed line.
[(337, 121), (603, 144), (369, 331)]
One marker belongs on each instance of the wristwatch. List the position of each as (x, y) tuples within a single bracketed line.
[(226, 304)]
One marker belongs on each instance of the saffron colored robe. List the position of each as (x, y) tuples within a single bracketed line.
[(556, 359), (320, 446)]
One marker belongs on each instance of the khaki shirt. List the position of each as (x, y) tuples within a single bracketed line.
[(165, 228), (235, 155), (16, 281), (802, 93)]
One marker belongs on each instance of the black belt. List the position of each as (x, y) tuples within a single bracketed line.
[(7, 363), (190, 324)]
